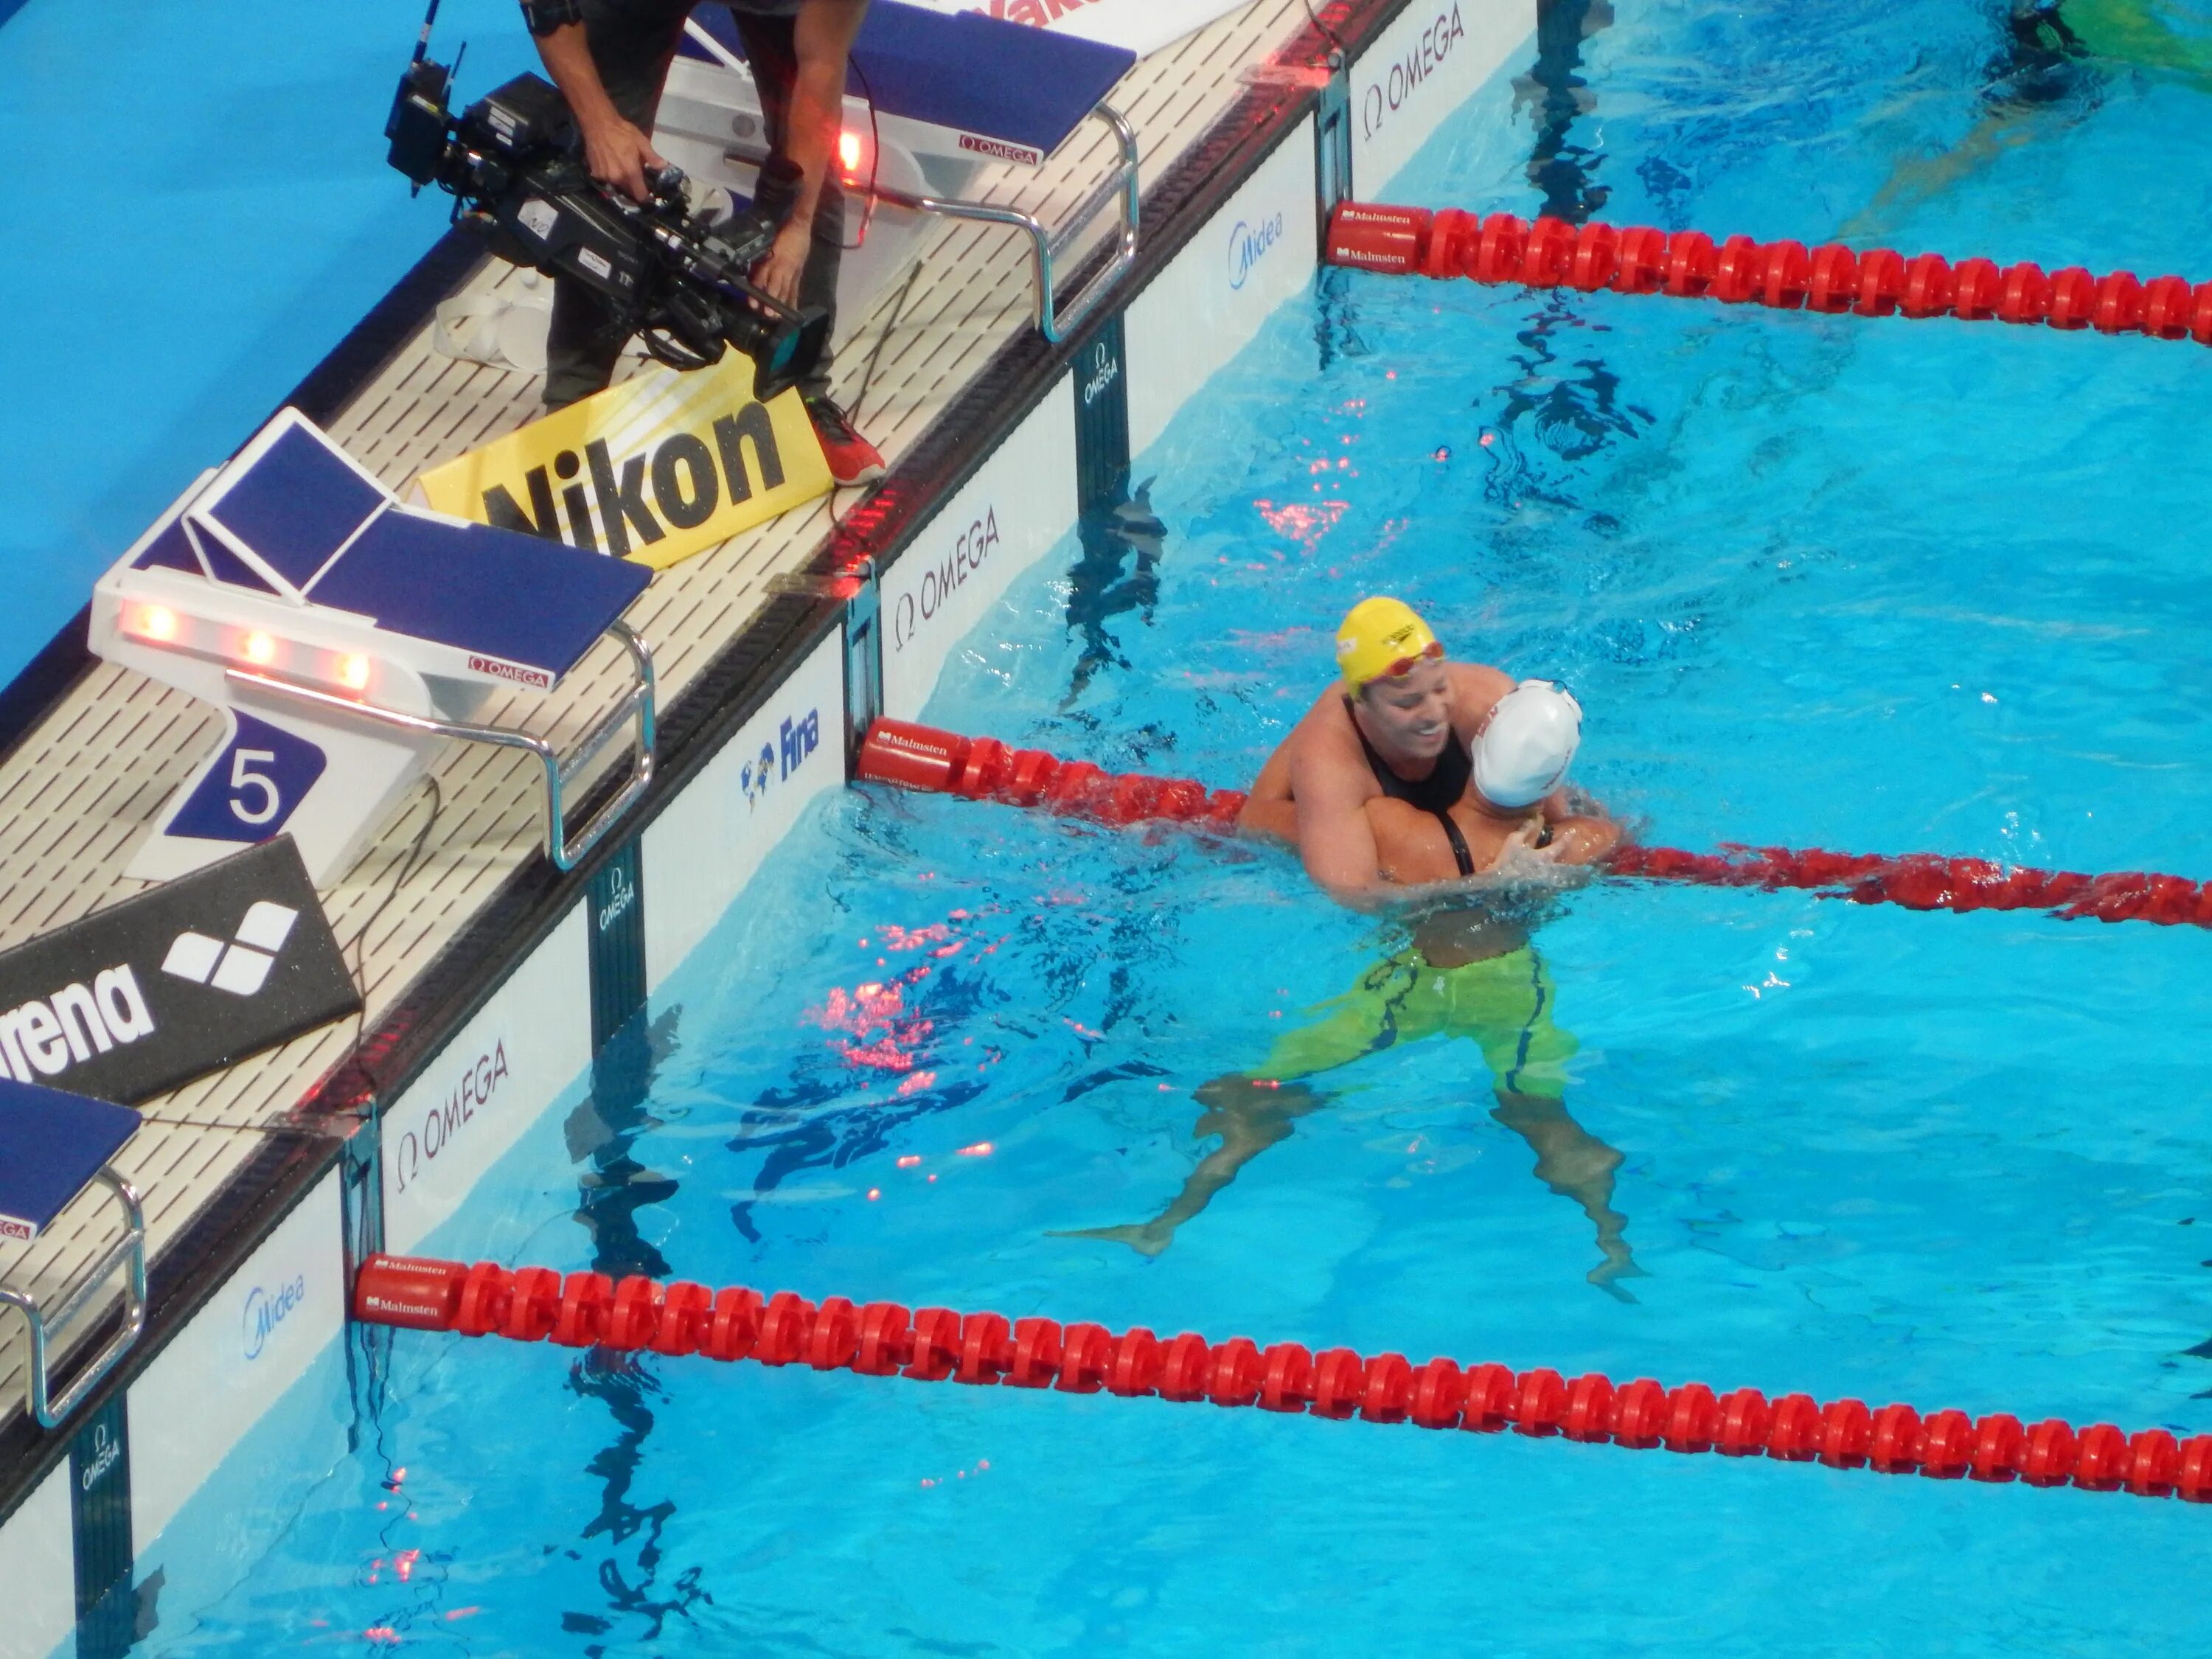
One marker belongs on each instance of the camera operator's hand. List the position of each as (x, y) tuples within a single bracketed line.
[(619, 154), (779, 269), (615, 150)]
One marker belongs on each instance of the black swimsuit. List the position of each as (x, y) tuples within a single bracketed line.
[(1436, 794)]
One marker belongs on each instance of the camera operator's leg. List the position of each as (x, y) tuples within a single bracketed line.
[(770, 49), (631, 48)]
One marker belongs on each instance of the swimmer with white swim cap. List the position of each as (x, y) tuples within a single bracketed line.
[(1416, 772), (1417, 769)]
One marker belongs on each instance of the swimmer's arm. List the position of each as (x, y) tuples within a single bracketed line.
[(1275, 818), (1582, 831), (1336, 843), (1267, 810)]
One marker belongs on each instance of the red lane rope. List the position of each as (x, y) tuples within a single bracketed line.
[(1687, 264), (923, 757), (937, 1345)]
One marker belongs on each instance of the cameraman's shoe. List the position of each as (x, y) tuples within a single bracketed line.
[(853, 460)]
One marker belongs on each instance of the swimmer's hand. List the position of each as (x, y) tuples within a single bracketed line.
[(1522, 854)]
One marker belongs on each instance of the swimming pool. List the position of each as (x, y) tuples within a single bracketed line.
[(1881, 586)]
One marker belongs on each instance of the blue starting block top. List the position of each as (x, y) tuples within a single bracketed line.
[(51, 1145), (967, 71), (296, 519)]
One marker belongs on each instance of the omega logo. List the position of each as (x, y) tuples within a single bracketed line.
[(1385, 93), (446, 1119), (105, 1451), (1105, 369), (941, 581)]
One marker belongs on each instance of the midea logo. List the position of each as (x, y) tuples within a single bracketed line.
[(1249, 244), (266, 1309)]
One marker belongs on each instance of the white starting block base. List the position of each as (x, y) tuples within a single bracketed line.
[(330, 784)]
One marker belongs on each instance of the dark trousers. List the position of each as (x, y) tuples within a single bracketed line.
[(632, 45)]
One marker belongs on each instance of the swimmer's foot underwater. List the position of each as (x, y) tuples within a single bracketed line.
[(1467, 972)]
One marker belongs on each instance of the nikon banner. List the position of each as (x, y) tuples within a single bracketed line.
[(654, 469)]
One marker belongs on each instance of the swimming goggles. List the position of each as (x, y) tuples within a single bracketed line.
[(1432, 652)]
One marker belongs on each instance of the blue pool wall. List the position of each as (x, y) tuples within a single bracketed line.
[(527, 1051)]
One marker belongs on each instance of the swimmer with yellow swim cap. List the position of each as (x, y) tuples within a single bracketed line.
[(1416, 770)]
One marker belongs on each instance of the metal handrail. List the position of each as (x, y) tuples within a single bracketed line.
[(1045, 246), (565, 852), (52, 1409)]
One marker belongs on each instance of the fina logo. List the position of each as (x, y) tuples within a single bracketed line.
[(1249, 245), (266, 1309), (795, 740)]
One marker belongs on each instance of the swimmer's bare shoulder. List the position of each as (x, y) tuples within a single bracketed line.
[(1326, 739)]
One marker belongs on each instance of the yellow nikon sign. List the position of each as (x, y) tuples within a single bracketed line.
[(654, 469)]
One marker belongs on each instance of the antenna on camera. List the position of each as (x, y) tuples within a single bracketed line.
[(422, 40)]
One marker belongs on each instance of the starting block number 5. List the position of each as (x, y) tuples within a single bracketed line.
[(245, 781), (252, 786)]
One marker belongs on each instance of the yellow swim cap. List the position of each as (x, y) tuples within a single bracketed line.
[(1381, 636)]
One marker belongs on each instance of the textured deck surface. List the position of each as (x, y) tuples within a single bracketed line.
[(79, 792)]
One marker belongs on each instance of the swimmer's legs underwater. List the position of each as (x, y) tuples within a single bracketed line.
[(1500, 998)]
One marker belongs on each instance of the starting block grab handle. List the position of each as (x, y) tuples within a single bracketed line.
[(564, 850), (50, 1408), (1053, 321)]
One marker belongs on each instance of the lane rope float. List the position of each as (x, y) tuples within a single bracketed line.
[(1739, 270), (924, 758), (937, 1345)]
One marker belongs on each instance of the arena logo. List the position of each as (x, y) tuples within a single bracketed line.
[(941, 581), (689, 481), (46, 1035), (1249, 245), (443, 1123), (1387, 93), (266, 1309), (1105, 369)]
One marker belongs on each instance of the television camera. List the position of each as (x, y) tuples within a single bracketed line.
[(515, 165)]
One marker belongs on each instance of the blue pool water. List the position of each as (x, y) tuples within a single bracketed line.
[(197, 209), (1817, 581)]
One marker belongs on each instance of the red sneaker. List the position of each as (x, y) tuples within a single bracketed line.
[(853, 460)]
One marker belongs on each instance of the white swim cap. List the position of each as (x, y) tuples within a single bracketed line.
[(1528, 744)]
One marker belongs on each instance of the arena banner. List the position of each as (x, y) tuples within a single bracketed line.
[(183, 980), (1141, 26), (655, 469)]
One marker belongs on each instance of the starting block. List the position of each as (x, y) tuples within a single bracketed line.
[(52, 1146), (938, 98), (344, 635)]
